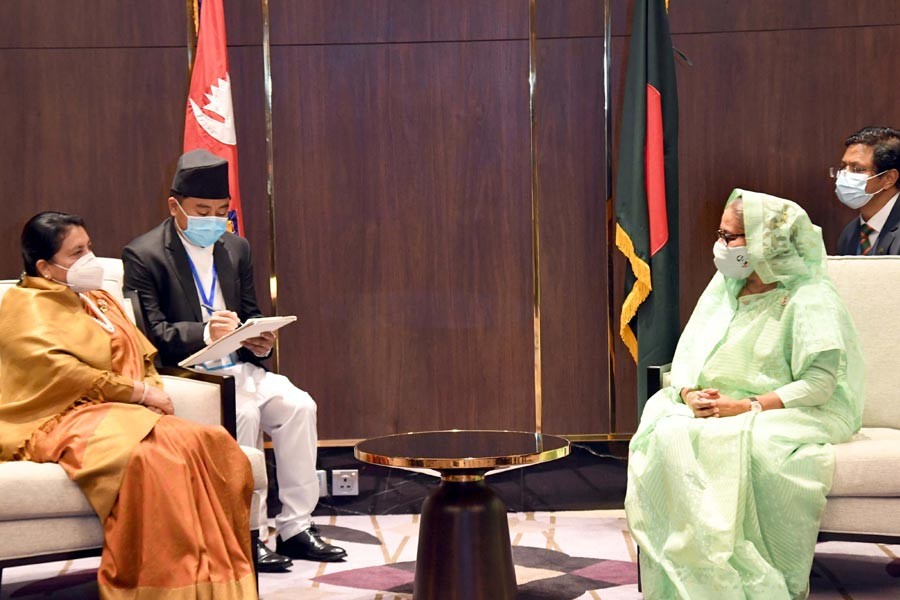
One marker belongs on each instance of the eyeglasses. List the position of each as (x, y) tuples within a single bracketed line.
[(834, 172), (728, 237)]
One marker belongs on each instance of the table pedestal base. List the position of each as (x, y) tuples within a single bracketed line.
[(464, 550)]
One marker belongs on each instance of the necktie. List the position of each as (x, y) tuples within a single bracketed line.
[(865, 246)]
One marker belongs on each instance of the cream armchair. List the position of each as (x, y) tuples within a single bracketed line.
[(864, 502), (45, 517)]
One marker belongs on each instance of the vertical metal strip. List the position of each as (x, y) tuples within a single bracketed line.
[(270, 172), (190, 11), (610, 212), (535, 218)]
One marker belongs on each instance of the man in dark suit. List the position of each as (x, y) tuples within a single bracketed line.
[(869, 181), (195, 284)]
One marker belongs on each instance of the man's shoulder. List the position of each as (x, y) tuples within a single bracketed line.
[(851, 227), (234, 240), (150, 242), (847, 240), (235, 244)]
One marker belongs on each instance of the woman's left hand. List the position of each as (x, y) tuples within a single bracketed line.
[(158, 401), (729, 407)]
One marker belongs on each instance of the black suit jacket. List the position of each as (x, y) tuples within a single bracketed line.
[(888, 241), (156, 266)]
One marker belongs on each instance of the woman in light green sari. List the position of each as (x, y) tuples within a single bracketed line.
[(730, 466)]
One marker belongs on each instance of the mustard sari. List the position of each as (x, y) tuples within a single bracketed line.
[(173, 496)]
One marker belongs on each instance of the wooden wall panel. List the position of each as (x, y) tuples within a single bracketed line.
[(383, 21), (406, 201), (248, 96), (707, 16), (571, 18), (92, 24), (723, 16), (90, 131), (243, 23), (573, 235)]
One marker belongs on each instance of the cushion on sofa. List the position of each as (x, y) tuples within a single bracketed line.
[(37, 537), (867, 466), (866, 516), (32, 490)]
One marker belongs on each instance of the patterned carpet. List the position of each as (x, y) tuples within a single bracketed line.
[(558, 556)]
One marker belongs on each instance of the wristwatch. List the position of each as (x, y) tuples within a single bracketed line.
[(755, 405)]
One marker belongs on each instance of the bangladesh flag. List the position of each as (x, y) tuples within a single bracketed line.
[(646, 194)]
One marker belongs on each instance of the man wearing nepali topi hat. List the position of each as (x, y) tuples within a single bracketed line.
[(195, 283)]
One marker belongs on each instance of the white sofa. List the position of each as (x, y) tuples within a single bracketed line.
[(45, 517), (864, 502)]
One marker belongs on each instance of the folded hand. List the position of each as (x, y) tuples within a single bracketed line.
[(158, 401), (703, 402)]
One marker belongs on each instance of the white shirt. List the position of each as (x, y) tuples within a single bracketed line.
[(878, 219), (203, 263)]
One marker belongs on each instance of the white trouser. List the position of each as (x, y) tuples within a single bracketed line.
[(270, 403)]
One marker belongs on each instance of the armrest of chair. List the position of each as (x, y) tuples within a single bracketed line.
[(136, 311), (202, 397), (657, 378)]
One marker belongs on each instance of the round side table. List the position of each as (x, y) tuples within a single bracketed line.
[(464, 549)]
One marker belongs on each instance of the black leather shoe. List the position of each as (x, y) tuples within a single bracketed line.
[(307, 545), (269, 562)]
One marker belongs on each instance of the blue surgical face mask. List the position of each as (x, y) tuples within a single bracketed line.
[(203, 231)]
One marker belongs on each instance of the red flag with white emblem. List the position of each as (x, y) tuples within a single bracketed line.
[(209, 118)]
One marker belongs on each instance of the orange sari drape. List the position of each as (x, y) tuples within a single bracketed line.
[(174, 496)]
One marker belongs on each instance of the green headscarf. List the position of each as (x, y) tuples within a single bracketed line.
[(783, 245)]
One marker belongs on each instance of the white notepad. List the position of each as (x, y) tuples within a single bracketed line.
[(227, 344)]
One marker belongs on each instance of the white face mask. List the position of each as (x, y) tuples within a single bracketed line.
[(851, 188), (85, 274), (732, 261)]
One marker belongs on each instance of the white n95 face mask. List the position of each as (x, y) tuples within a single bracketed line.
[(85, 274), (851, 188), (731, 261)]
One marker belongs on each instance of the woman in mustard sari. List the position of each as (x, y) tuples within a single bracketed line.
[(730, 466), (78, 388)]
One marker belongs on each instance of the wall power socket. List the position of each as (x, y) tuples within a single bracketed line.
[(345, 482)]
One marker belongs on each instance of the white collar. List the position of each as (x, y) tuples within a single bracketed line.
[(878, 219)]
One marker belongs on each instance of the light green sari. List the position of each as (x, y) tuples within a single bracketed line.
[(730, 507)]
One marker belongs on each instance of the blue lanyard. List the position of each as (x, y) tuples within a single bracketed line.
[(207, 300)]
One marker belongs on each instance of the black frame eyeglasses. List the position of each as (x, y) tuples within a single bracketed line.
[(728, 237)]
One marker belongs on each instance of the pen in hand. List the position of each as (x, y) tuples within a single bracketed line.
[(213, 309)]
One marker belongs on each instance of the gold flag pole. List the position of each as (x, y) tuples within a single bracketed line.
[(610, 214), (535, 218), (193, 22), (270, 172)]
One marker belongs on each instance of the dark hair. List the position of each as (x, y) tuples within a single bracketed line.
[(177, 196), (43, 235), (885, 143)]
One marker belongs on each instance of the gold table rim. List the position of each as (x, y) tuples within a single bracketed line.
[(482, 462)]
